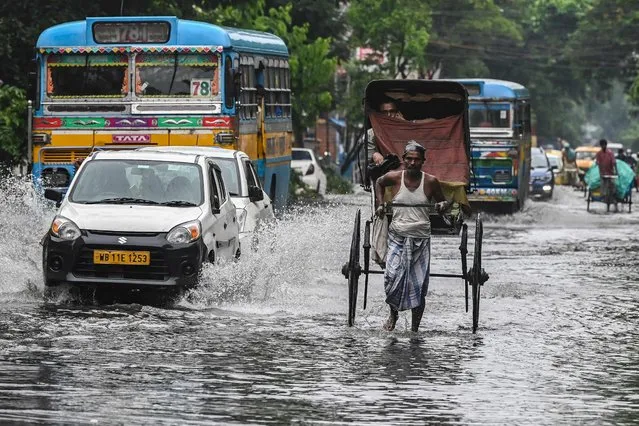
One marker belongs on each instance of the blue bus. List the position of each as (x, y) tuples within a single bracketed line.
[(500, 131), (124, 82)]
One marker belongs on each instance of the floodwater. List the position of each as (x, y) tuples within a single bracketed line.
[(265, 340)]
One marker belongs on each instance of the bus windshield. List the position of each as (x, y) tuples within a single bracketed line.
[(487, 114), (177, 75), (87, 76)]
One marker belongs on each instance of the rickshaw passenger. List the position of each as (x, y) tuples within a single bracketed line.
[(390, 109), (408, 260)]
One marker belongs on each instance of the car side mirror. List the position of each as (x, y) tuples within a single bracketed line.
[(554, 167), (215, 204), (255, 193), (54, 195)]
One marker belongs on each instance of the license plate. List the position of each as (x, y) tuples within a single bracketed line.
[(121, 257)]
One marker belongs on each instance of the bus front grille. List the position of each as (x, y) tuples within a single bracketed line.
[(62, 156)]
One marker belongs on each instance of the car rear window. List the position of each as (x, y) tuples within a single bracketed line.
[(301, 155)]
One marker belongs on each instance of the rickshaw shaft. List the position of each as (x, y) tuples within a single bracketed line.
[(432, 275)]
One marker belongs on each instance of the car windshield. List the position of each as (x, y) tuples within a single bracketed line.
[(230, 174), (539, 161), (138, 182), (554, 161), (302, 155), (585, 155), (489, 115)]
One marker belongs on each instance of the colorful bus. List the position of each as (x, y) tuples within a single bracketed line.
[(500, 131), (125, 82)]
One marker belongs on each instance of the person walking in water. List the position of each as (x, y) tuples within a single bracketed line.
[(408, 259), (605, 159)]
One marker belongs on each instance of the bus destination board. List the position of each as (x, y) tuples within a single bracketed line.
[(131, 32)]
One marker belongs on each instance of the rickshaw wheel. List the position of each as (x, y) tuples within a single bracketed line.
[(630, 201), (367, 256), (477, 272), (354, 269), (588, 202), (463, 249)]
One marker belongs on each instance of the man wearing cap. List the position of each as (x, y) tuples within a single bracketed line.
[(408, 259)]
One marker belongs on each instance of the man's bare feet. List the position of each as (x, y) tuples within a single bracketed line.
[(389, 325)]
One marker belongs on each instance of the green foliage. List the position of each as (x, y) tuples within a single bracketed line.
[(466, 34), (398, 28), (312, 68), (13, 129), (335, 183), (298, 191)]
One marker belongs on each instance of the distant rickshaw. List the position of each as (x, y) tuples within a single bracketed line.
[(624, 182)]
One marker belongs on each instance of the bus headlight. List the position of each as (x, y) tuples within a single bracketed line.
[(64, 228)]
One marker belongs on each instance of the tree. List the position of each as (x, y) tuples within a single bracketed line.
[(605, 44), (13, 129), (467, 34), (398, 29), (312, 67)]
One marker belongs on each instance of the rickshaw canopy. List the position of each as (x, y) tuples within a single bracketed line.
[(435, 114)]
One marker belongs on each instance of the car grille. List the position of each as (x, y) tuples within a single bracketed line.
[(502, 176), (84, 267)]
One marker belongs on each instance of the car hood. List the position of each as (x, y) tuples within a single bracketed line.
[(128, 218)]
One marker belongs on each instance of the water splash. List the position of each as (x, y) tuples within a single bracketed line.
[(295, 257), (25, 219)]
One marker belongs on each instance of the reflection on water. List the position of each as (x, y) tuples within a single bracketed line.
[(264, 340)]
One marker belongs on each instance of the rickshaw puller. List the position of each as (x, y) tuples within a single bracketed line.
[(408, 259)]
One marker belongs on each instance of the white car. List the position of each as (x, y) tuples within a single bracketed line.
[(140, 219), (306, 164), (240, 177)]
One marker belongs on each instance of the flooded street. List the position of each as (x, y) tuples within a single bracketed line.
[(265, 340)]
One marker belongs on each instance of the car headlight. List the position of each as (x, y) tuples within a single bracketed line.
[(64, 228), (185, 233), (241, 218)]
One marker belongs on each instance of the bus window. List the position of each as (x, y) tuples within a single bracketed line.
[(489, 115), (177, 75), (229, 85), (87, 76)]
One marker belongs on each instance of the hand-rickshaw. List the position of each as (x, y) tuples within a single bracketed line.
[(435, 114)]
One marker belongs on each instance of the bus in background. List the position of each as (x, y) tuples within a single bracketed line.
[(500, 131), (126, 82)]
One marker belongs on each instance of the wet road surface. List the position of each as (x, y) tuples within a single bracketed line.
[(265, 340)]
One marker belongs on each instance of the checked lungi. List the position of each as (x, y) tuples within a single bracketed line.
[(407, 271)]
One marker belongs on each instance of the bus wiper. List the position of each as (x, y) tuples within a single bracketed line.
[(178, 203), (123, 200), (175, 66)]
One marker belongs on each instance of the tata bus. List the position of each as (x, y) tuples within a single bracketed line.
[(126, 82), (500, 131)]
